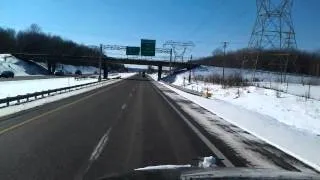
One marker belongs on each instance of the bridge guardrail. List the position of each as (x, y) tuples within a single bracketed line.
[(36, 95)]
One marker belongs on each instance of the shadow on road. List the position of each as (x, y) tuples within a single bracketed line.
[(136, 79)]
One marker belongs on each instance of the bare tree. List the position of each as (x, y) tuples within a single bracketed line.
[(217, 52), (34, 28)]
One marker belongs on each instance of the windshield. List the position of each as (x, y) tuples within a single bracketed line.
[(102, 89)]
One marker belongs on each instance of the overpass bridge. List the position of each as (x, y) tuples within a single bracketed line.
[(51, 60)]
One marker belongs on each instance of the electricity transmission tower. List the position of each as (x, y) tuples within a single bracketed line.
[(179, 48), (273, 32)]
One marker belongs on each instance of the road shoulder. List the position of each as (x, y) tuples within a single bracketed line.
[(241, 147)]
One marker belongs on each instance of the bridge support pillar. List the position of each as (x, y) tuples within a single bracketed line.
[(105, 71), (51, 67), (159, 72)]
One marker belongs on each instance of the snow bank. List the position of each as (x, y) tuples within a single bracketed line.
[(19, 67)]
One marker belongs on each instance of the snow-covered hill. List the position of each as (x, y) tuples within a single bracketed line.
[(19, 67), (27, 68)]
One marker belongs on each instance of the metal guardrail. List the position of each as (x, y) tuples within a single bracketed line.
[(42, 94), (186, 90)]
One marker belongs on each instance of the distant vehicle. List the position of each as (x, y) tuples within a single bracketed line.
[(59, 73), (78, 72), (7, 74)]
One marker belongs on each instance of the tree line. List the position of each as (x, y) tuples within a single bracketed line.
[(34, 40), (294, 61)]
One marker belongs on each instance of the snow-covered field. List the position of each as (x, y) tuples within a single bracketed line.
[(296, 85), (262, 76), (19, 67)]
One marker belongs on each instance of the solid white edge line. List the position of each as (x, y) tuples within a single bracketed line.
[(216, 151)]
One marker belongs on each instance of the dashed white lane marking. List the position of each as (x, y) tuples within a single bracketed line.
[(98, 149), (95, 154), (123, 106)]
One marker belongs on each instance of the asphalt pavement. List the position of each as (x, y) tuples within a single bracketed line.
[(113, 129)]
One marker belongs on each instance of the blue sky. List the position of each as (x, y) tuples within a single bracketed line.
[(206, 22)]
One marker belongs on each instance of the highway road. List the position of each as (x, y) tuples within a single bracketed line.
[(113, 129)]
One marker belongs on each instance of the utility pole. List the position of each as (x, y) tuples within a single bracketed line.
[(100, 62), (190, 69), (225, 44), (170, 68)]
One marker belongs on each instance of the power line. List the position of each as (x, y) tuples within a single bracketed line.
[(179, 48)]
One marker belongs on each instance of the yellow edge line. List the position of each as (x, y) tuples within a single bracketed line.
[(54, 110)]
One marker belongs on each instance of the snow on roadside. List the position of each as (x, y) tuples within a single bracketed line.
[(16, 108), (295, 111), (21, 107), (288, 109), (14, 88), (300, 144)]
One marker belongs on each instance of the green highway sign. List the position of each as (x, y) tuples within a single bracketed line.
[(133, 50), (148, 47)]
